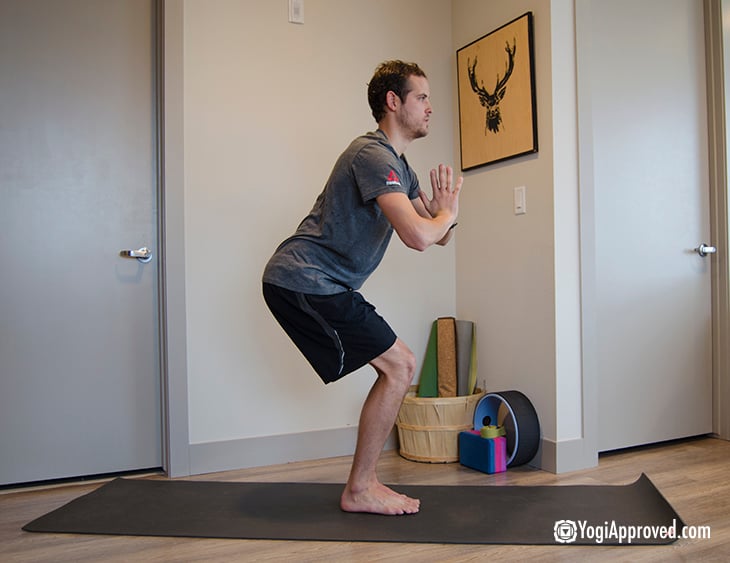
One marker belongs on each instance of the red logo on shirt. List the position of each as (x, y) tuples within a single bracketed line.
[(393, 179)]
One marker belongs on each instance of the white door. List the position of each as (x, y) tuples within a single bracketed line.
[(653, 317), (79, 353)]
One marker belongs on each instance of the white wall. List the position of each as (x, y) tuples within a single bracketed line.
[(504, 261), (518, 275), (269, 106)]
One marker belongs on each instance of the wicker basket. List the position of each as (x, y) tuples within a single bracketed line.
[(428, 428)]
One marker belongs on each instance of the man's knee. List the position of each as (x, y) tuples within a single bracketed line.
[(409, 362), (397, 363)]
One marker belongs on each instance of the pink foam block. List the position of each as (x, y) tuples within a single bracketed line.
[(498, 454)]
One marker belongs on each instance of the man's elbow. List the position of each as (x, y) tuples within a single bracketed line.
[(416, 237), (420, 246), (417, 242)]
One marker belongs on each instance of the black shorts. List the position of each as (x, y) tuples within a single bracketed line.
[(336, 333)]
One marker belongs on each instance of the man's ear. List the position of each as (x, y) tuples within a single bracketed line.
[(392, 100)]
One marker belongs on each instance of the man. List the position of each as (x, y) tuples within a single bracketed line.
[(311, 282)]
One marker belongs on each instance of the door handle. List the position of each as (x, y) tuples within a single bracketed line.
[(143, 254), (704, 249)]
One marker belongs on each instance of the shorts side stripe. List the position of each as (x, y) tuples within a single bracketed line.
[(331, 332)]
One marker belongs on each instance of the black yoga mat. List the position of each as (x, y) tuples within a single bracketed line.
[(310, 511)]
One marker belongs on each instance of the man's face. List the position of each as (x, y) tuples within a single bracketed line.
[(414, 113)]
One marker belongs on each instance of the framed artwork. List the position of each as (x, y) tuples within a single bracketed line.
[(496, 84)]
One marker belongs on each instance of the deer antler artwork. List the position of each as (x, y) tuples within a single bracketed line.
[(491, 101)]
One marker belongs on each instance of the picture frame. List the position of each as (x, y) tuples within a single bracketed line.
[(496, 91)]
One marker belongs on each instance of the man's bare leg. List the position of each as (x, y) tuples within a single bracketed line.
[(363, 492)]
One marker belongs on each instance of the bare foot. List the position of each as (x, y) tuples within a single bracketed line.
[(378, 499)]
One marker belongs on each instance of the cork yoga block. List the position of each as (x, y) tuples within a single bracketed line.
[(446, 356)]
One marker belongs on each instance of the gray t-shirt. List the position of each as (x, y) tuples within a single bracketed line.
[(344, 237)]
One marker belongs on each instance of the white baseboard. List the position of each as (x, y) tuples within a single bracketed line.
[(210, 457)]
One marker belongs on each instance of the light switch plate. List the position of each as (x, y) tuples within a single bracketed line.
[(520, 200), (296, 11)]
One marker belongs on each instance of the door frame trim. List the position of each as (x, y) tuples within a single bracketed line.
[(587, 235), (171, 225), (718, 178)]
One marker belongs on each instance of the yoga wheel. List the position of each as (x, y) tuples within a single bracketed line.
[(515, 412)]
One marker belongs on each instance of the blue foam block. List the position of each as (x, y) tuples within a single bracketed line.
[(487, 455)]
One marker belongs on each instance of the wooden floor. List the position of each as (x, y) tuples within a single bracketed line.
[(693, 475)]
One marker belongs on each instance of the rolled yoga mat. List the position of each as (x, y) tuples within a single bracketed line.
[(428, 382), (310, 511), (465, 358)]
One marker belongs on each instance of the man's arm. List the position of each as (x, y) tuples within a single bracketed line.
[(415, 231), (423, 222), (423, 212)]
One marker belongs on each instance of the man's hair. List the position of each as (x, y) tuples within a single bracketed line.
[(390, 76)]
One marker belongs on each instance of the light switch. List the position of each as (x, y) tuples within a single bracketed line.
[(296, 11), (520, 200)]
